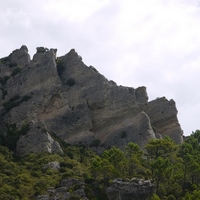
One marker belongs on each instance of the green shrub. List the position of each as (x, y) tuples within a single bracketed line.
[(24, 129), (5, 60), (74, 197), (60, 66), (25, 98), (71, 82), (155, 197), (171, 197), (123, 135), (11, 103), (12, 64), (95, 143), (15, 71), (3, 80), (4, 93)]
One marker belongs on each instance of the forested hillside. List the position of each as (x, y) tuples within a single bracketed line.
[(175, 169)]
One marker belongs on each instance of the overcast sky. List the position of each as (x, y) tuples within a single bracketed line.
[(132, 42)]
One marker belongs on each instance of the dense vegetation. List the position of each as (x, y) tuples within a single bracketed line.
[(175, 169)]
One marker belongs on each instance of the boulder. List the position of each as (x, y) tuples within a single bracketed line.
[(52, 165), (67, 189), (163, 115), (135, 189), (37, 140)]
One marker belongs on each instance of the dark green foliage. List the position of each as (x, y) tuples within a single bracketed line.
[(11, 65), (74, 197), (16, 97), (93, 68), (71, 82), (123, 135), (4, 93), (24, 129), (11, 134), (5, 60), (15, 71), (13, 102), (10, 137), (10, 104), (25, 98), (175, 169), (60, 66), (95, 143), (3, 80)]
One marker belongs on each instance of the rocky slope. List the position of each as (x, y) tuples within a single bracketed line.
[(64, 97)]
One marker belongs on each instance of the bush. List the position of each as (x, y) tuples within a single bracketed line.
[(71, 82), (95, 143), (3, 80), (5, 60), (15, 71), (11, 65), (171, 197), (123, 135), (11, 103), (74, 197), (25, 98), (155, 197), (60, 67)]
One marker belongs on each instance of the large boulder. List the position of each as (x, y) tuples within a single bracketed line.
[(37, 140), (163, 115), (68, 189), (135, 189)]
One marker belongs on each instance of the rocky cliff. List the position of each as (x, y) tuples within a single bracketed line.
[(61, 96)]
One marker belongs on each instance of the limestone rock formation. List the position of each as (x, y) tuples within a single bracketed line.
[(36, 140), (52, 165), (69, 189), (77, 104), (135, 189)]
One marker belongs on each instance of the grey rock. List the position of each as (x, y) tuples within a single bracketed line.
[(135, 189), (67, 188), (37, 140), (79, 105), (163, 115), (20, 56), (52, 165)]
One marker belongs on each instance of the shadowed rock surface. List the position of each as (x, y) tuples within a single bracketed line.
[(135, 189), (69, 189), (77, 104)]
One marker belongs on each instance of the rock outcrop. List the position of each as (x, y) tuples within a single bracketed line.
[(135, 189), (77, 104), (163, 115), (69, 189)]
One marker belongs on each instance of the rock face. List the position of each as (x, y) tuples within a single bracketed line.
[(163, 115), (135, 189), (37, 140), (78, 104), (68, 189)]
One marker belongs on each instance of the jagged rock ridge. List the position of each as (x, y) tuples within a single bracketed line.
[(64, 97)]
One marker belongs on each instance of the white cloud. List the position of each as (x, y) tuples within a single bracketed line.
[(153, 43), (74, 11)]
